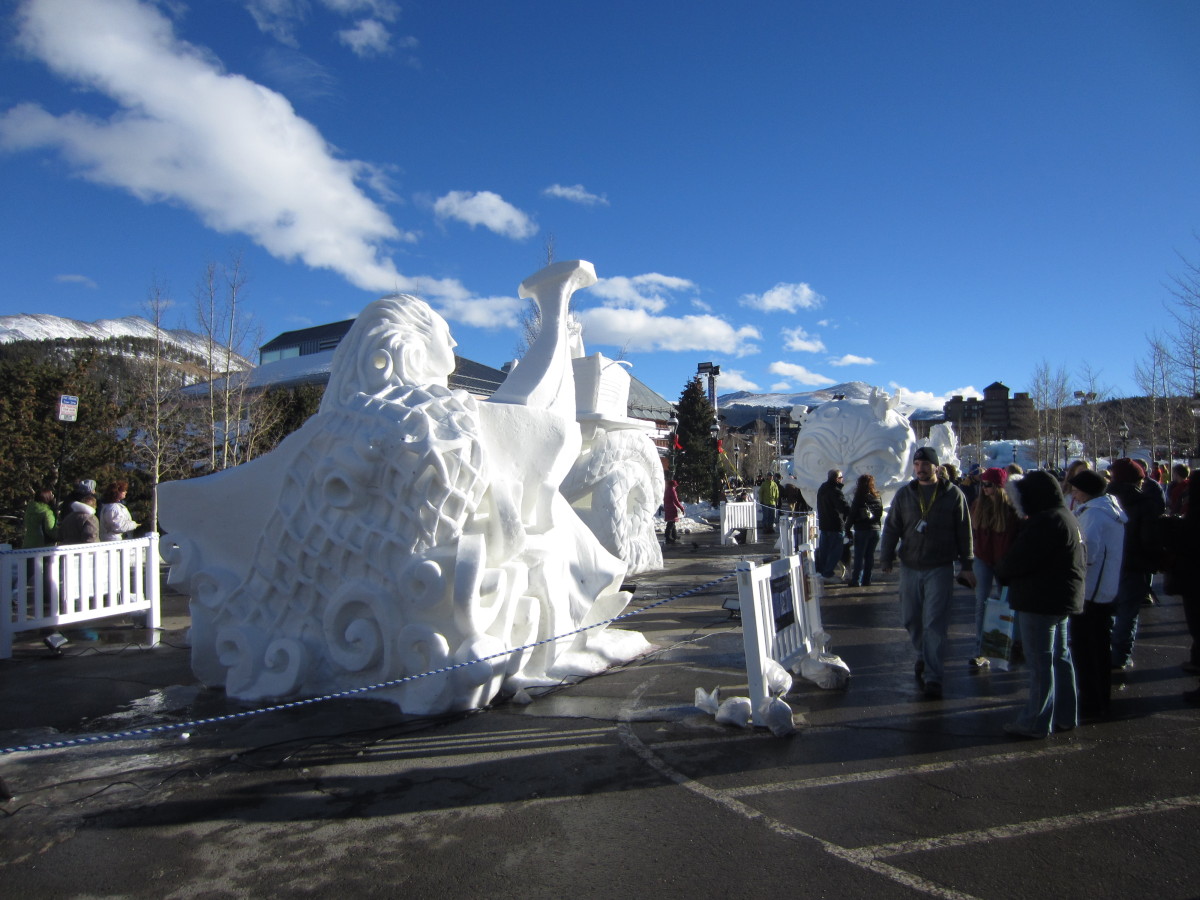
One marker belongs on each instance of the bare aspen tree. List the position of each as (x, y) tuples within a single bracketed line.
[(159, 425), (223, 324)]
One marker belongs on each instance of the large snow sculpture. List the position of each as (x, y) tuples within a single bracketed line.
[(856, 436), (404, 528)]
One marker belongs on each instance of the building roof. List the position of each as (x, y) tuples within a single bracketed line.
[(313, 368), (645, 403), (316, 334)]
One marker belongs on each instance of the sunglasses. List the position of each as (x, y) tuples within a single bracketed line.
[(988, 485)]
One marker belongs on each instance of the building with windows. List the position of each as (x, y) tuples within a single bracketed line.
[(997, 417)]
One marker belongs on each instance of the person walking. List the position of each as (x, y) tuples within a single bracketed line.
[(1142, 501), (41, 524), (866, 519), (1072, 470), (1181, 540), (81, 525), (671, 510), (1102, 522), (115, 521), (1045, 572), (1177, 489), (994, 527), (768, 501), (929, 528), (832, 513)]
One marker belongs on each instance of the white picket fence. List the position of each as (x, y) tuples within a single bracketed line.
[(739, 516), (48, 587)]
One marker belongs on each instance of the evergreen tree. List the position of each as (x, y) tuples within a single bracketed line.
[(284, 410), (39, 449), (696, 463)]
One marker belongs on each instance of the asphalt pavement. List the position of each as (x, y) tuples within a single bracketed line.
[(613, 786)]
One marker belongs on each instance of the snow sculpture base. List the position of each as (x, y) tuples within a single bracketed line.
[(407, 528)]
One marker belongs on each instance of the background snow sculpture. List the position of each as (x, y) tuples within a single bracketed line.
[(617, 483), (403, 528), (945, 442), (856, 436)]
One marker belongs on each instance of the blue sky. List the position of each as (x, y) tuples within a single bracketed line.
[(929, 196)]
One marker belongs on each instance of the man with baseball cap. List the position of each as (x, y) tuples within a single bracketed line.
[(929, 526)]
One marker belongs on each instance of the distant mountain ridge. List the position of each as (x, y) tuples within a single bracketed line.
[(44, 327), (740, 405)]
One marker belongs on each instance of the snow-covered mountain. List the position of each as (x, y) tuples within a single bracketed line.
[(851, 390), (41, 327)]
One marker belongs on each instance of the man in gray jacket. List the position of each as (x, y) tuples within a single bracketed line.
[(930, 522)]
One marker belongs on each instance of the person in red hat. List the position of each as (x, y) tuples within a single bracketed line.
[(994, 527)]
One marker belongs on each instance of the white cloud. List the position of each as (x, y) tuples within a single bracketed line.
[(488, 209), (282, 18), (784, 297), (76, 279), (484, 312), (800, 340), (734, 380), (576, 193), (649, 292), (278, 18), (780, 387), (230, 150), (370, 37), (918, 399), (799, 374), (638, 331), (388, 10), (850, 359)]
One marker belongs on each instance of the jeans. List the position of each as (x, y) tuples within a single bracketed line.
[(1091, 651), (925, 613), (1131, 591), (865, 542), (768, 517), (1053, 702), (984, 576), (829, 553)]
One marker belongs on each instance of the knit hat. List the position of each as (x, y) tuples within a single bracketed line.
[(1091, 483), (994, 476), (1127, 471), (87, 486), (926, 454)]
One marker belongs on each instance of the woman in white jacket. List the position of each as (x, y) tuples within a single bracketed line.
[(115, 520), (1102, 522)]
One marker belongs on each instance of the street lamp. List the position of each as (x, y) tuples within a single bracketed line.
[(1123, 431), (674, 423), (715, 431)]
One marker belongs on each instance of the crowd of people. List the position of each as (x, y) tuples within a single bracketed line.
[(1072, 553), (81, 518)]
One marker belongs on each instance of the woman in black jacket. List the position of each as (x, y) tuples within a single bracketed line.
[(1044, 572), (866, 518)]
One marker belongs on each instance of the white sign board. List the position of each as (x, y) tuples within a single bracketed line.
[(68, 408)]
